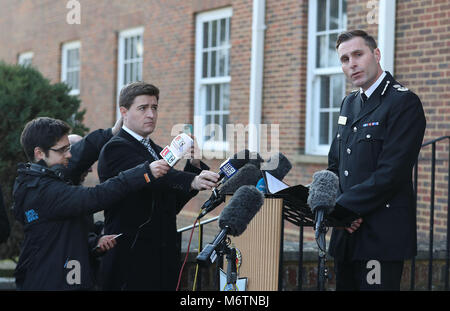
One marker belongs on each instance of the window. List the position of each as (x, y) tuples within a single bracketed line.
[(25, 59), (70, 66), (212, 77), (130, 58), (326, 82)]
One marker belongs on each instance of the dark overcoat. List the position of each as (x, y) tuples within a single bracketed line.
[(146, 257)]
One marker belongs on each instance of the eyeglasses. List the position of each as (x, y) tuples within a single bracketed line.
[(63, 149)]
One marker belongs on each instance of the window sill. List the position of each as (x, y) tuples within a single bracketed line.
[(309, 159)]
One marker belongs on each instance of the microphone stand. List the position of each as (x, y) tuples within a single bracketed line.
[(230, 252), (322, 268), (231, 269)]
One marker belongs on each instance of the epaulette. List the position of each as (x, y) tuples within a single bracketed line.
[(400, 88)]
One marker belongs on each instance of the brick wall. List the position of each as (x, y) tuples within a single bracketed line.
[(421, 63)]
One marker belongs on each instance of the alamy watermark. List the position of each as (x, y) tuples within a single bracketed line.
[(374, 275), (74, 275), (74, 14), (220, 142), (372, 16)]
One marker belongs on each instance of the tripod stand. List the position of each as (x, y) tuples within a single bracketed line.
[(230, 252), (322, 270)]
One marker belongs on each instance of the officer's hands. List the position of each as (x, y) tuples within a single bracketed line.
[(105, 243), (354, 226), (206, 180), (159, 168)]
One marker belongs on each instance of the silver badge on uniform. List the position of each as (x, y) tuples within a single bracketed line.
[(342, 120)]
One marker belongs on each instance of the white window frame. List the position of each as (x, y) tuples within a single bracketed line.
[(64, 70), (199, 101), (124, 34), (312, 138), (25, 58)]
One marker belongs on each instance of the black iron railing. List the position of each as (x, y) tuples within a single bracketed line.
[(432, 143)]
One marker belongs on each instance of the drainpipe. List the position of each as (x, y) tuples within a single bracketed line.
[(386, 34), (256, 74)]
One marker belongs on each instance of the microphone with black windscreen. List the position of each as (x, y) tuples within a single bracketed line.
[(322, 195), (247, 175), (231, 165), (278, 166), (239, 159), (233, 220)]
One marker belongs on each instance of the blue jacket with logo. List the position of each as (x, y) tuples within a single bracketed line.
[(55, 252)]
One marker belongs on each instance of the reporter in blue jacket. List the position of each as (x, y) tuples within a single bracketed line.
[(55, 253)]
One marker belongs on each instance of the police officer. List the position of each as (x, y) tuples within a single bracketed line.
[(54, 254), (380, 132)]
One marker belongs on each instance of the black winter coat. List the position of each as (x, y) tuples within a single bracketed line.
[(147, 255)]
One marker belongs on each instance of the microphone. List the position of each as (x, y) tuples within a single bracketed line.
[(180, 145), (233, 220), (322, 195), (230, 166), (261, 186), (227, 169), (247, 175), (245, 156), (278, 166)]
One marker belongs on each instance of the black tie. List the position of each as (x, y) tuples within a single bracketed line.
[(364, 97), (146, 143), (363, 100)]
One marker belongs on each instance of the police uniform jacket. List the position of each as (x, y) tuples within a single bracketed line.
[(146, 256), (373, 154), (55, 254)]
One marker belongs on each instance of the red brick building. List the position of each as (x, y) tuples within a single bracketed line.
[(224, 62)]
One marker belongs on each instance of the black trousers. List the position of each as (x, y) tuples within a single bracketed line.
[(368, 275)]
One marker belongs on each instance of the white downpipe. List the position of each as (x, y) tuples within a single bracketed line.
[(386, 33), (256, 74)]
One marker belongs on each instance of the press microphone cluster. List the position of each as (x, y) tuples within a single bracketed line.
[(247, 175), (233, 220), (322, 195), (228, 182)]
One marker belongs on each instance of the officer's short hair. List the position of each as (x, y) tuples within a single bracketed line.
[(135, 89), (347, 35), (42, 132)]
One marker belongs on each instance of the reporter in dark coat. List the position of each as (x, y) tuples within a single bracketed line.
[(147, 256), (373, 153)]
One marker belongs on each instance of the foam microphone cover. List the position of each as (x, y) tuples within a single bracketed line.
[(248, 157), (323, 190), (242, 207), (278, 166), (247, 175)]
